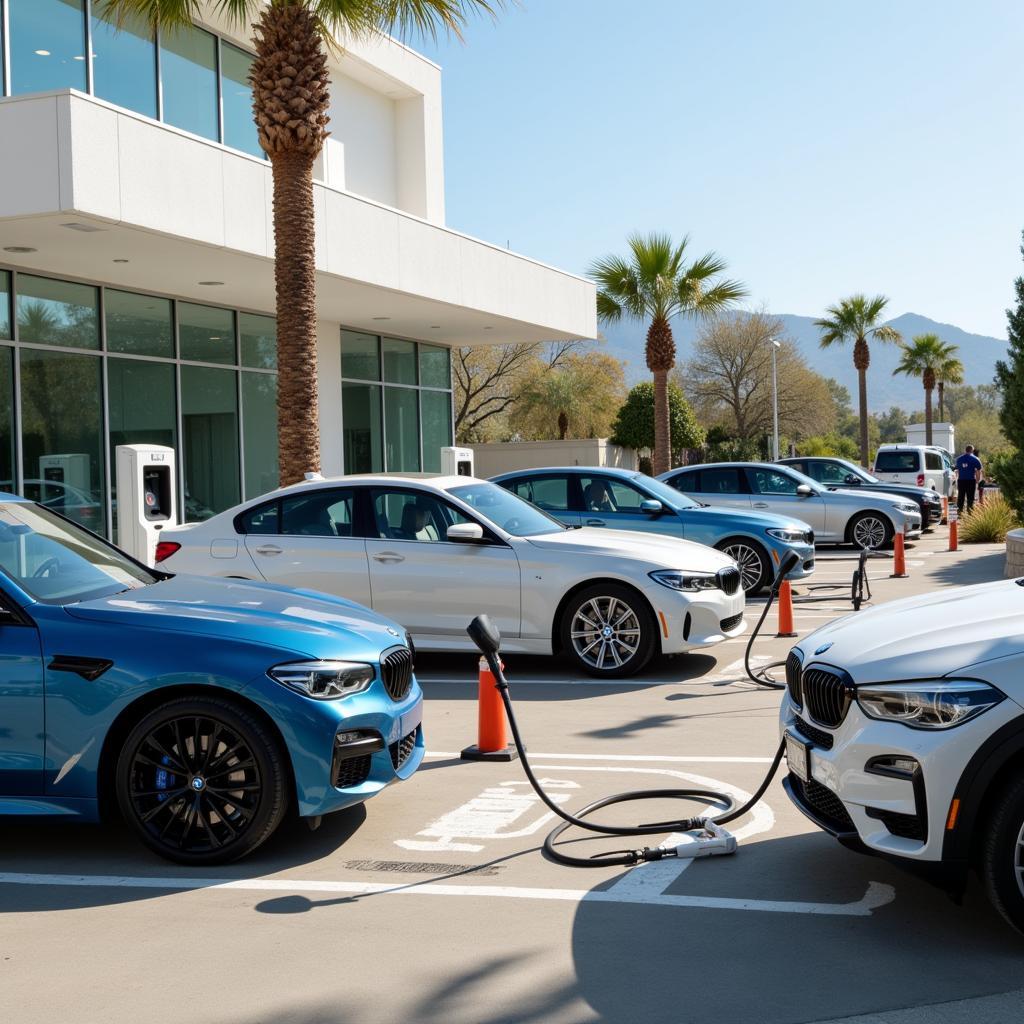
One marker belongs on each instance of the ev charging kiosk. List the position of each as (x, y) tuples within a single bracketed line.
[(146, 497), (457, 461), (72, 470)]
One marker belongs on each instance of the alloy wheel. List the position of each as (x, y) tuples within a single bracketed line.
[(869, 532), (1018, 861), (605, 632), (194, 784), (749, 562)]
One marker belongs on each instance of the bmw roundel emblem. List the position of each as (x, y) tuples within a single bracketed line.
[(198, 783), (823, 648)]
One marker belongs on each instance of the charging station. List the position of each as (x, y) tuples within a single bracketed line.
[(147, 498), (72, 470), (457, 461)]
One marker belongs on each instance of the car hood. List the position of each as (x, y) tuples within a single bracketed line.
[(924, 637), (655, 551), (879, 495), (302, 621), (752, 519)]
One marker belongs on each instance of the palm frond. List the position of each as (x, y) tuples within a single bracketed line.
[(886, 333), (424, 18), (169, 14), (609, 309)]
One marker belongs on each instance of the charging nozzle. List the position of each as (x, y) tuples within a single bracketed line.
[(711, 841), (790, 560)]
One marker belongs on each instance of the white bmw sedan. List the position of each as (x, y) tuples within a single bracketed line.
[(433, 552)]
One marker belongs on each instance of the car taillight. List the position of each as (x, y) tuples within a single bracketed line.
[(165, 548), (920, 479)]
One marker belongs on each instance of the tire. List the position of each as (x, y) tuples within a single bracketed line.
[(631, 646), (164, 775), (874, 526), (752, 559), (1002, 854)]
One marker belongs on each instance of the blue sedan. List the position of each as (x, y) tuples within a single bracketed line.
[(202, 708), (621, 499)]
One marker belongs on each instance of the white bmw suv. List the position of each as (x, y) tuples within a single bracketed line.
[(904, 732)]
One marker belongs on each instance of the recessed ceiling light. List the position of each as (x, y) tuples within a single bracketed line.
[(19, 248), (42, 53), (215, 337), (77, 225), (382, 318), (211, 284), (119, 261)]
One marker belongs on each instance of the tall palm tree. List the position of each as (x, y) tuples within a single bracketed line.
[(653, 284), (922, 358), (950, 372), (857, 319), (291, 96)]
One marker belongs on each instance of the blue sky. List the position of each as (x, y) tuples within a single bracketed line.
[(821, 147)]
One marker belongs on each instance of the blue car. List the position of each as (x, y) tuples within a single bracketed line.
[(620, 499), (201, 708)]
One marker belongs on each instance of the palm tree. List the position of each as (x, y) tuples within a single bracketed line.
[(653, 284), (950, 372), (856, 319), (922, 358), (291, 96)]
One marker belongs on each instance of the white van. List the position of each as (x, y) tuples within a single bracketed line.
[(916, 464)]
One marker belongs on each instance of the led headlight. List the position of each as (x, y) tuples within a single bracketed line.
[(937, 704), (324, 680), (789, 536), (680, 579), (907, 508)]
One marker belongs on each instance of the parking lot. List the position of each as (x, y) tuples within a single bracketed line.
[(433, 902)]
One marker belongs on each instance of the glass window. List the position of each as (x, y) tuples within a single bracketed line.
[(236, 96), (399, 361), (436, 411), (140, 410), (690, 482), (206, 333), (263, 519), (721, 481), (825, 472), (259, 425), (138, 324), (550, 493), (57, 312), (933, 460), (435, 366), (6, 418), (61, 431), (607, 494), (124, 62), (47, 45), (401, 431), (188, 65), (209, 412), (512, 514), (5, 304), (360, 356), (413, 515), (768, 481), (361, 428), (896, 462), (258, 335), (323, 513)]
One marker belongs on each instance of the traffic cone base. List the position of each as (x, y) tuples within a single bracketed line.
[(491, 737), (474, 753), (899, 567), (785, 612)]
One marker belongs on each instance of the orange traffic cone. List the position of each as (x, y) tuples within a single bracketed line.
[(945, 510), (899, 568), (491, 737), (785, 611), (952, 528)]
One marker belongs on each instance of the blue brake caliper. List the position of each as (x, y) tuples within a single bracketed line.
[(164, 779)]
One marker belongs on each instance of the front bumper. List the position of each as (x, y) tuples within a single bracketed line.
[(687, 621), (804, 568)]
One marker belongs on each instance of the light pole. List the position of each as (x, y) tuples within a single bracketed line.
[(775, 403)]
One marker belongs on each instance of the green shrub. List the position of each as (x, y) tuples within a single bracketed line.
[(989, 522)]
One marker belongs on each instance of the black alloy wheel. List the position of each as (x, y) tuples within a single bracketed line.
[(202, 781), (1002, 853)]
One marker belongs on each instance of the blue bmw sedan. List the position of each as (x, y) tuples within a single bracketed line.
[(620, 499), (201, 708)]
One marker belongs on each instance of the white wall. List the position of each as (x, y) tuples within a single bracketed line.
[(363, 126), (328, 361), (506, 457)]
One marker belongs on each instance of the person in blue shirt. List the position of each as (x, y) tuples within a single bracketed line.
[(968, 473)]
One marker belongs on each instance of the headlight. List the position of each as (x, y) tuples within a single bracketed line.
[(907, 508), (940, 704), (680, 579), (324, 680), (789, 536)]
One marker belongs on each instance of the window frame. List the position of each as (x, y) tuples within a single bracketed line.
[(573, 493), (489, 538)]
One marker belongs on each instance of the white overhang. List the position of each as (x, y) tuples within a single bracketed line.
[(182, 211)]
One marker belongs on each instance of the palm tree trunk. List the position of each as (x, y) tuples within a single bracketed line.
[(662, 434), (298, 423), (862, 391), (942, 388), (927, 416)]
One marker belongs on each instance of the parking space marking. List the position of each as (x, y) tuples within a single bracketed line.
[(639, 758)]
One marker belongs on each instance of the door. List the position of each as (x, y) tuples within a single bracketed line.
[(614, 503), (937, 476), (432, 586), (551, 492), (311, 540), (22, 726), (723, 486), (775, 490)]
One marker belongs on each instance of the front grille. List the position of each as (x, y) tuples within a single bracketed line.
[(401, 750), (907, 826), (817, 736), (729, 580), (794, 667), (731, 623), (826, 696), (351, 771), (825, 804), (396, 672)]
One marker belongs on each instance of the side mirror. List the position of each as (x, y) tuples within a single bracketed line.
[(465, 533), (852, 481), (485, 635), (804, 491), (652, 506)]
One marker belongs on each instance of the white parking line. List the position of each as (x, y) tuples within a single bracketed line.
[(638, 758)]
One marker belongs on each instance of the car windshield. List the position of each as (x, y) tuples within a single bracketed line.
[(859, 471), (505, 510), (668, 495), (56, 562)]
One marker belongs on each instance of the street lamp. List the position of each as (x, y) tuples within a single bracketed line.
[(775, 403)]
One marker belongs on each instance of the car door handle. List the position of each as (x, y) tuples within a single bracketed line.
[(595, 522), (760, 504), (388, 556), (268, 549)]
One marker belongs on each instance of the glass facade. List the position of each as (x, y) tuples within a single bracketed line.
[(396, 404), (99, 367), (191, 78)]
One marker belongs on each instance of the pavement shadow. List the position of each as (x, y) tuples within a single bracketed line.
[(959, 571)]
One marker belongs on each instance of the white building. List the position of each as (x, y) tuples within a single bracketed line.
[(136, 274)]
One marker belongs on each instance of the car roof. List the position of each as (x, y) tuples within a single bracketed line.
[(611, 470), (720, 465), (436, 480)]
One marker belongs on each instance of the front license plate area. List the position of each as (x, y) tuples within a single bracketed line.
[(798, 755)]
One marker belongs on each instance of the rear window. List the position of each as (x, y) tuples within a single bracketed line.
[(933, 460), (896, 462)]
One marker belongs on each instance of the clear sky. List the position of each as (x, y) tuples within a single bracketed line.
[(821, 148)]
